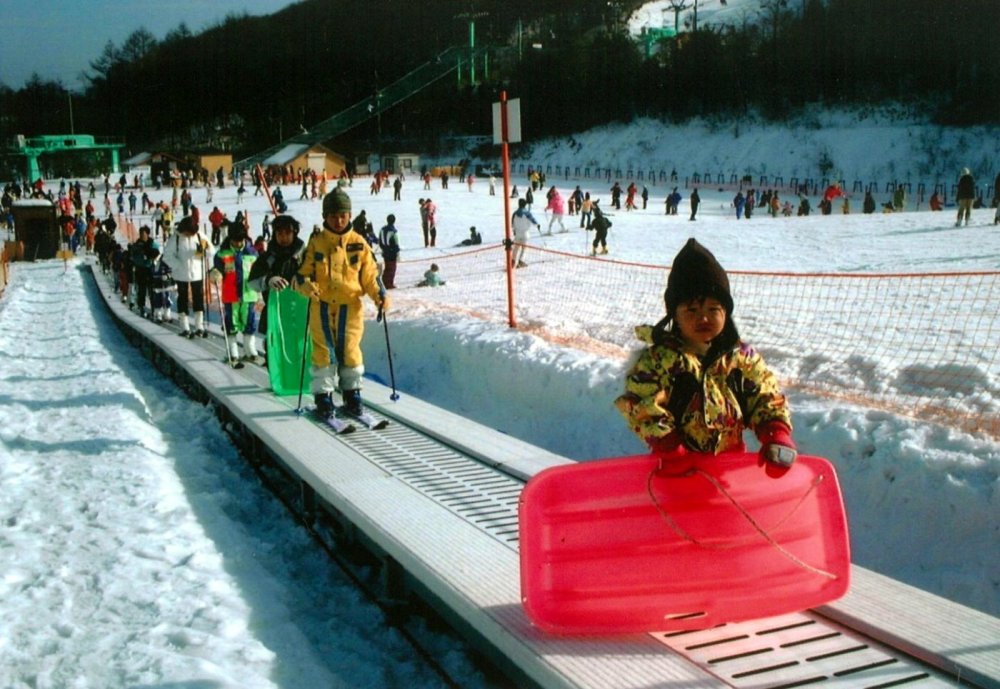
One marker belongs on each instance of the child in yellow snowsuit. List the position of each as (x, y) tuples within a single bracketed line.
[(696, 386), (337, 269)]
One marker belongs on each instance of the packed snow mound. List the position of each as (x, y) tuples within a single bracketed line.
[(875, 145)]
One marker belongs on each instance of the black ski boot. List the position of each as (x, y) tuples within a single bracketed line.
[(324, 405), (352, 403)]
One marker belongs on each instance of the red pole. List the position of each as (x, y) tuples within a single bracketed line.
[(259, 171), (505, 158)]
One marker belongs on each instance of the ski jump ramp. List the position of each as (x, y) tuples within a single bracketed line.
[(434, 499), (411, 83)]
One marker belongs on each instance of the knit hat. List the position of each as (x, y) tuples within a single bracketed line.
[(337, 201), (186, 225), (696, 274), (285, 222), (235, 232)]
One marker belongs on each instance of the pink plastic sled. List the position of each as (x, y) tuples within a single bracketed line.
[(617, 546)]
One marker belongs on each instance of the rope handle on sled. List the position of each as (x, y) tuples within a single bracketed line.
[(761, 531)]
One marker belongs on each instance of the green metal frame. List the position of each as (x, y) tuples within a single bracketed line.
[(35, 146)]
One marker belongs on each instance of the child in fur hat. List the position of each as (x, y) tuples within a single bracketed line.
[(696, 386)]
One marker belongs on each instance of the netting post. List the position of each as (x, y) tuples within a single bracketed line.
[(508, 246)]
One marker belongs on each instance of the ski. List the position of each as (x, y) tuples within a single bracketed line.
[(365, 418), (337, 425)]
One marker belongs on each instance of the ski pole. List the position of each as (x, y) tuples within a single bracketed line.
[(225, 331), (388, 352), (302, 368)]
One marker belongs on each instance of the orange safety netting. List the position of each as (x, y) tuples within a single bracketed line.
[(923, 345)]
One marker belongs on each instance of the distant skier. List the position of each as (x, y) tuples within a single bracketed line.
[(522, 221), (616, 196), (601, 225), (868, 205), (558, 208), (738, 203), (388, 241), (965, 196)]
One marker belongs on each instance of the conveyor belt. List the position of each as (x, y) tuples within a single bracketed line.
[(800, 650), (475, 492)]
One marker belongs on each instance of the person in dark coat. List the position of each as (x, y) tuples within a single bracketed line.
[(474, 238), (141, 255), (277, 266), (965, 196), (616, 196), (695, 202), (869, 203), (388, 242), (601, 225)]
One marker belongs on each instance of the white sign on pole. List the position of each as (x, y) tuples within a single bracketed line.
[(513, 122)]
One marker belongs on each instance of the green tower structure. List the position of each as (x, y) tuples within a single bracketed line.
[(33, 147)]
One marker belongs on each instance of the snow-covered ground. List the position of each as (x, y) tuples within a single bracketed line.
[(139, 550)]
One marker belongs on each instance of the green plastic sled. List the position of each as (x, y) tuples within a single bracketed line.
[(286, 336)]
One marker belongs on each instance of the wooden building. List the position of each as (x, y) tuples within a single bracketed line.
[(316, 157)]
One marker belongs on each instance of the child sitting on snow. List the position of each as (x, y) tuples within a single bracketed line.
[(696, 386), (474, 238), (432, 278)]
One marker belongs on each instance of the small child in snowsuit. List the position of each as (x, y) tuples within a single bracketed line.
[(275, 268), (601, 225), (231, 276), (696, 386), (121, 262), (162, 281), (432, 277)]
